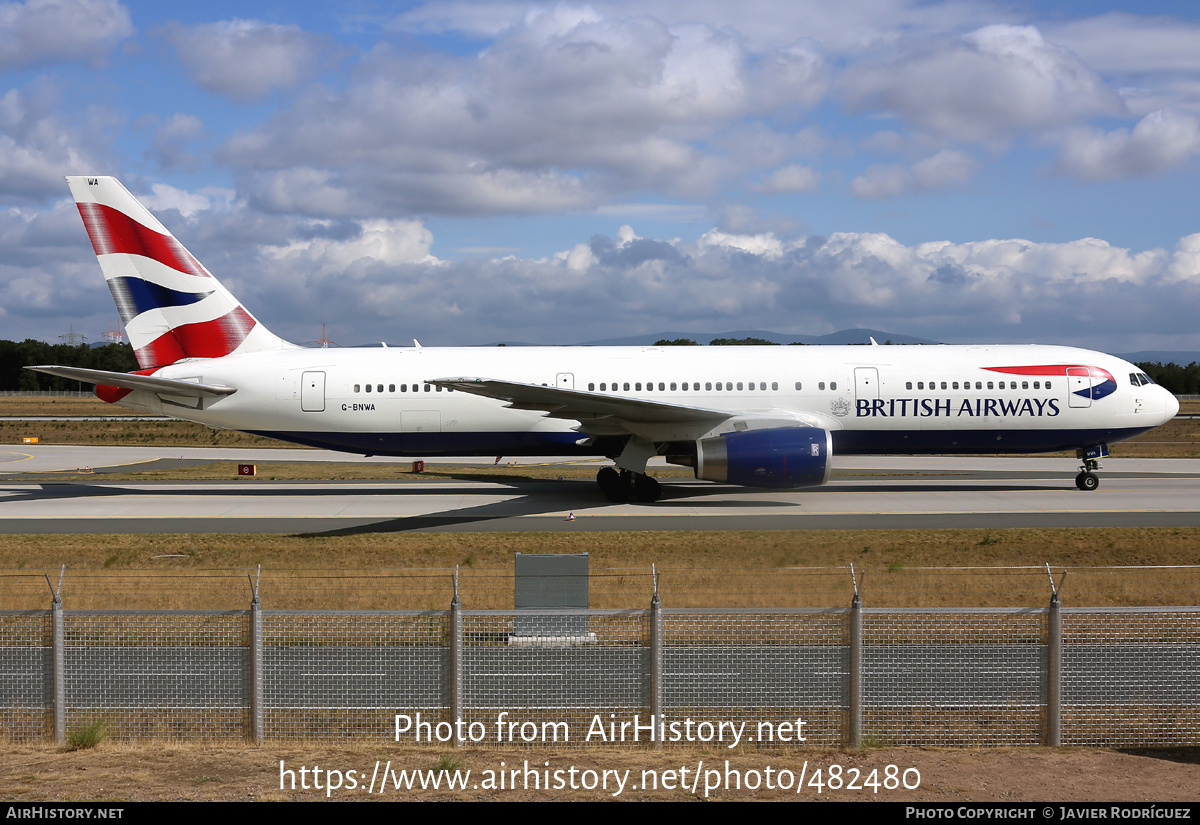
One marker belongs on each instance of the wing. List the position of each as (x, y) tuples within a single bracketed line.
[(128, 381), (604, 414)]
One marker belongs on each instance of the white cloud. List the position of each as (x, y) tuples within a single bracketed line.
[(36, 149), (380, 243), (565, 110), (945, 169), (765, 244), (1161, 141), (987, 86), (1153, 59), (247, 59), (172, 139), (880, 181), (164, 196), (789, 180), (38, 32)]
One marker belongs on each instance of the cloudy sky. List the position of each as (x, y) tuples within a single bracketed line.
[(466, 172)]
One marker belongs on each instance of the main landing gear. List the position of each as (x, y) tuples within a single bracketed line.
[(625, 485), (1087, 478)]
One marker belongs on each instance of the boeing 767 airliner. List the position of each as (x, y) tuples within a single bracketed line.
[(755, 416)]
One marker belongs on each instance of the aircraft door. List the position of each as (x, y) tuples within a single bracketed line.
[(565, 381), (866, 382), (312, 392), (1079, 379)]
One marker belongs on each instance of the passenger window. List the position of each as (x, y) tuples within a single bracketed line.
[(428, 387), (356, 387), (920, 385), (821, 385), (990, 385), (908, 385), (739, 385), (1024, 385), (368, 387), (638, 386), (672, 386), (833, 385), (955, 385), (591, 387), (708, 385), (439, 387), (978, 385), (379, 388), (626, 386), (391, 387), (797, 385), (1037, 385), (661, 386), (774, 385), (603, 387), (1047, 385), (943, 385)]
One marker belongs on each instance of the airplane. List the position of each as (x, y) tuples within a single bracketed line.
[(768, 416)]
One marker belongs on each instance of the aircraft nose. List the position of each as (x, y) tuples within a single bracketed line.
[(1170, 407)]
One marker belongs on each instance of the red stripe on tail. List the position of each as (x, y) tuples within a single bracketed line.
[(207, 339), (113, 231)]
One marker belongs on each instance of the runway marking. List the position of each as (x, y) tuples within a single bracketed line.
[(10, 461)]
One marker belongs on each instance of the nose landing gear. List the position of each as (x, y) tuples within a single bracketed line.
[(1090, 456)]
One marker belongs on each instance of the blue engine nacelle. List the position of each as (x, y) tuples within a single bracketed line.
[(789, 457)]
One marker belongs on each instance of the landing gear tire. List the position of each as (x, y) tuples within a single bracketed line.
[(1087, 481), (623, 486), (645, 488), (613, 485)]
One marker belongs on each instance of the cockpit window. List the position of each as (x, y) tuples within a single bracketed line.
[(1133, 379)]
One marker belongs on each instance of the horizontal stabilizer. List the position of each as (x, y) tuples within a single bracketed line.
[(146, 383)]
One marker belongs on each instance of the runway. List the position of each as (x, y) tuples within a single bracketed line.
[(865, 493)]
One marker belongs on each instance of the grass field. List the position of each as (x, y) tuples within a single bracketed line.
[(769, 568)]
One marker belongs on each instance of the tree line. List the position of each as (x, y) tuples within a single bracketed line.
[(1178, 380), (15, 356)]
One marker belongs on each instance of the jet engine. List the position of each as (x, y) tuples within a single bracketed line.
[(785, 457)]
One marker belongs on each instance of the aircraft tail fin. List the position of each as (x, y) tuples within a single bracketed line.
[(172, 307)]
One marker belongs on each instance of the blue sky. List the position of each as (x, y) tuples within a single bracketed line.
[(466, 172)]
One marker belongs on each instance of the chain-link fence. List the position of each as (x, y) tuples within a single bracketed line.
[(778, 676)]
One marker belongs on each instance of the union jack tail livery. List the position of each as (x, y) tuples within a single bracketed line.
[(172, 307)]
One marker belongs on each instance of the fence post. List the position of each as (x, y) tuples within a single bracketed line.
[(856, 652), (455, 686), (58, 662), (1054, 643), (656, 661), (256, 665), (1054, 662)]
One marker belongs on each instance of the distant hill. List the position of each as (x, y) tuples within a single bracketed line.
[(846, 336)]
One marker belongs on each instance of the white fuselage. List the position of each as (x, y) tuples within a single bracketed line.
[(873, 399)]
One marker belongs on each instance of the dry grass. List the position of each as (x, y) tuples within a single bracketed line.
[(778, 568), (164, 433)]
